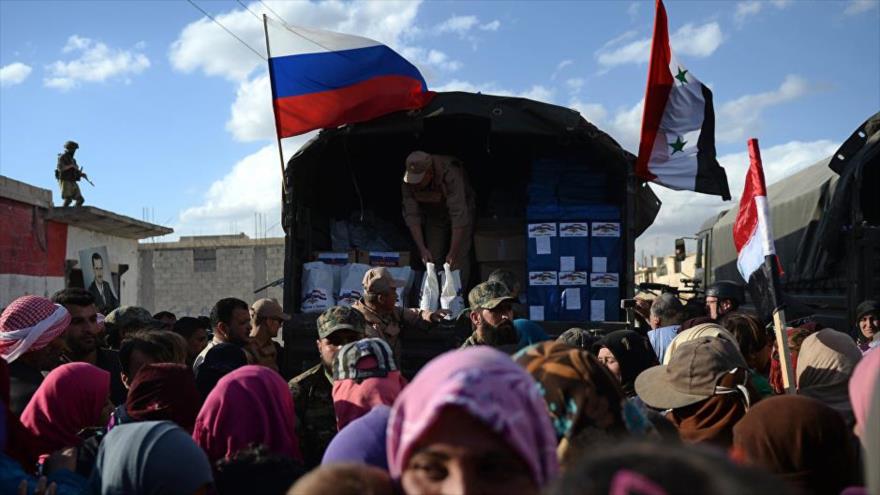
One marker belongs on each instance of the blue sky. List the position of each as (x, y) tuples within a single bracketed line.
[(172, 113)]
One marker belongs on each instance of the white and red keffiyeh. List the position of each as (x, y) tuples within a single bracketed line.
[(29, 324)]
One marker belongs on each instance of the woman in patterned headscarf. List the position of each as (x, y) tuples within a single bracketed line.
[(584, 400)]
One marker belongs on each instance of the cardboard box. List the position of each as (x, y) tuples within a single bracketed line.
[(500, 245), (335, 258), (383, 258)]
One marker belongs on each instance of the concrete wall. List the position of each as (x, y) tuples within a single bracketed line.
[(121, 251), (170, 281)]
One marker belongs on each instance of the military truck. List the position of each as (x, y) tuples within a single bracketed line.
[(826, 222), (354, 172)]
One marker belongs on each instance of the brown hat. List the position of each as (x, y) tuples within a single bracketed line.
[(269, 308), (417, 163), (380, 281), (691, 375)]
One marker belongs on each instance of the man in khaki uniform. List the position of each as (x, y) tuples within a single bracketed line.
[(267, 317), (68, 174), (379, 306), (437, 199)]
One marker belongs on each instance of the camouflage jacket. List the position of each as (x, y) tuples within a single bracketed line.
[(388, 327), (312, 393)]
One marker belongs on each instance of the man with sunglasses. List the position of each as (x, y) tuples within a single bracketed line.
[(313, 390)]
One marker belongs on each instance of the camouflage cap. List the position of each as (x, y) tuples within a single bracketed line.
[(71, 145), (417, 163), (488, 295), (127, 318), (345, 364), (340, 318)]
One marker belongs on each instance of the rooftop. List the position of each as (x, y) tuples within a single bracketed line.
[(107, 222), (214, 241)]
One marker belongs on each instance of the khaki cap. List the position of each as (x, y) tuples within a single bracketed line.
[(691, 375), (269, 308), (417, 163), (380, 281)]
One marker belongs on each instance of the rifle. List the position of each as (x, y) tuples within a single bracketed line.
[(86, 177)]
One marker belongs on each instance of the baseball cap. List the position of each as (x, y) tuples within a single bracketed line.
[(132, 318), (489, 295), (380, 281), (340, 318), (345, 365), (417, 164), (691, 375), (269, 308)]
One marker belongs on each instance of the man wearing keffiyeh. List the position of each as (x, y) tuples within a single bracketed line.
[(30, 341)]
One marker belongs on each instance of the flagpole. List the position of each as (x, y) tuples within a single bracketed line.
[(771, 270), (275, 117)]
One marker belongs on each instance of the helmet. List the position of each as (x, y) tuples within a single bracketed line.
[(727, 289), (71, 145)]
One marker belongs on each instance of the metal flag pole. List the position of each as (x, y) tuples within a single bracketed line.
[(274, 115)]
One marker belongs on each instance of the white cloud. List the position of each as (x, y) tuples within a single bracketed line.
[(491, 26), (14, 73), (204, 46), (698, 41), (536, 92), (855, 7), (559, 67), (459, 25), (624, 126), (749, 8), (253, 185), (251, 117), (97, 62), (633, 9), (738, 118), (575, 84), (683, 212)]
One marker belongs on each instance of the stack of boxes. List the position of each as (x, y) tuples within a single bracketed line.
[(574, 245)]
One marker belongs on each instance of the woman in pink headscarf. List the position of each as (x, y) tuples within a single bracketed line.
[(249, 405), (472, 421), (73, 397)]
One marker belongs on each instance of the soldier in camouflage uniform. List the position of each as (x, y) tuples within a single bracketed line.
[(491, 315), (68, 174), (313, 390), (385, 319)]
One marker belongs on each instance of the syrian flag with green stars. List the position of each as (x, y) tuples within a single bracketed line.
[(677, 148)]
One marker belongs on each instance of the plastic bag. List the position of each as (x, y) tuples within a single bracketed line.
[(430, 299), (317, 287), (351, 286), (450, 296)]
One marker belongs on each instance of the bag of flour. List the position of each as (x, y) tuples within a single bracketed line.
[(351, 286), (317, 287)]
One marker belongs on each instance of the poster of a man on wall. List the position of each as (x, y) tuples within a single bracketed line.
[(95, 265)]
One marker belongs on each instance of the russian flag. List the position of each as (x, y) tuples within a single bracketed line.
[(323, 79), (677, 147), (753, 238)]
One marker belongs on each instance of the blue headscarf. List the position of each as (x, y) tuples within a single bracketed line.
[(362, 440), (150, 457), (529, 333)]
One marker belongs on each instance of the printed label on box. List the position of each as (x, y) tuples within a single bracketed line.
[(544, 229), (566, 263), (536, 313), (600, 264), (574, 229), (542, 278), (332, 258), (597, 310), (573, 278), (604, 280), (542, 245), (572, 299), (606, 229), (384, 258)]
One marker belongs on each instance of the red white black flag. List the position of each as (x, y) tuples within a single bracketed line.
[(753, 238), (677, 148)]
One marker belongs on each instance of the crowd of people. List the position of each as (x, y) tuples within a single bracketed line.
[(137, 403)]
